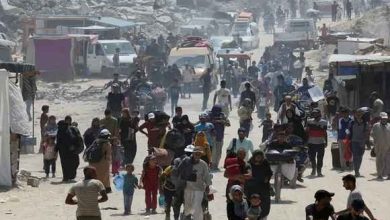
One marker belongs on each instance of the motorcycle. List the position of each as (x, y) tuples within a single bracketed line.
[(144, 100), (280, 162), (301, 157)]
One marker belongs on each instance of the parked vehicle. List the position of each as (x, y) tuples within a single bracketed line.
[(200, 27), (100, 56), (247, 30), (299, 33), (200, 56)]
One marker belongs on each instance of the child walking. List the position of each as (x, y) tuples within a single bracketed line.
[(169, 190), (150, 183), (267, 124), (42, 123), (116, 157), (254, 210), (130, 182), (49, 156)]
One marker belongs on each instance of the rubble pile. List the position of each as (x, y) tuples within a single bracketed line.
[(375, 23), (25, 176), (57, 91), (162, 19)]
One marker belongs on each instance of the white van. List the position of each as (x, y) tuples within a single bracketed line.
[(100, 56)]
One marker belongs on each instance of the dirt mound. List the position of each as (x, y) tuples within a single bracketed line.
[(375, 23)]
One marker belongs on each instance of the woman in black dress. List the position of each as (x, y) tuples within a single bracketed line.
[(260, 181), (69, 158), (92, 133)]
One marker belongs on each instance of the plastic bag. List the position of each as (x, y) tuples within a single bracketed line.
[(161, 201), (119, 182), (347, 150)]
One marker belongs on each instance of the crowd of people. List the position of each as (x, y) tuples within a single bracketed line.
[(183, 156)]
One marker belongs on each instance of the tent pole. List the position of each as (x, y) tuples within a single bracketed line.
[(33, 117)]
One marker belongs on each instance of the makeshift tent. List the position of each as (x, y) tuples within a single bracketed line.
[(13, 119), (5, 160), (358, 76)]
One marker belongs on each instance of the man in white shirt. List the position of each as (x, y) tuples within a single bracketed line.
[(349, 183), (381, 135), (377, 107), (241, 142), (223, 98), (188, 74)]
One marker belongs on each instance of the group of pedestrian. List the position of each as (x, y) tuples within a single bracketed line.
[(355, 208), (61, 139), (354, 129)]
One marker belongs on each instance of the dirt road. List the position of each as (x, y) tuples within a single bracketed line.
[(47, 201)]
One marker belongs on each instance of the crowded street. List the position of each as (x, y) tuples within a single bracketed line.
[(280, 114)]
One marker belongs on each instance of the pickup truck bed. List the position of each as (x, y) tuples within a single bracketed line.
[(295, 39)]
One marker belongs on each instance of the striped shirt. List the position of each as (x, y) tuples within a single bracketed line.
[(87, 193), (316, 131)]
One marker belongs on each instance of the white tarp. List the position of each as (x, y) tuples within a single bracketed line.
[(19, 123), (5, 155)]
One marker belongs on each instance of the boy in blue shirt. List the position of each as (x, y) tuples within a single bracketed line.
[(130, 182)]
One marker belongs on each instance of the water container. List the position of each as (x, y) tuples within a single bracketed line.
[(118, 182), (161, 201)]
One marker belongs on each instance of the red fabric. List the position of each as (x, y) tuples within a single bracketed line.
[(347, 150), (115, 167), (150, 182), (150, 179), (317, 132), (154, 134), (232, 166), (151, 198)]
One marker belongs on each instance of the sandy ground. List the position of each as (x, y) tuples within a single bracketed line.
[(47, 201)]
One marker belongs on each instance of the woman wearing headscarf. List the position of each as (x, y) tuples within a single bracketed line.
[(201, 141), (237, 206), (92, 133), (294, 119), (260, 181), (69, 159), (103, 166)]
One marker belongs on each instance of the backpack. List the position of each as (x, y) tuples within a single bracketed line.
[(94, 153), (174, 140), (77, 140)]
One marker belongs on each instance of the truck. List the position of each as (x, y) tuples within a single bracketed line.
[(60, 58), (298, 33), (100, 57), (198, 57), (245, 28), (203, 25), (80, 55)]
